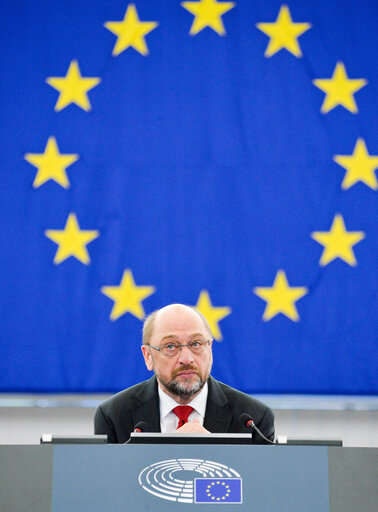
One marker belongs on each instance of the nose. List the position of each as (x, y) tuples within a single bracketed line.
[(185, 355)]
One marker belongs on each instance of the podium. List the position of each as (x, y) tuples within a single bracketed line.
[(136, 478)]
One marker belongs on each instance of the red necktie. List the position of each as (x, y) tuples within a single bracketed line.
[(183, 413)]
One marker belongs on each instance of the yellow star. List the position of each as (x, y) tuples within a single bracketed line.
[(338, 242), (73, 88), (208, 13), (130, 32), (212, 314), (283, 33), (51, 164), (127, 296), (72, 241), (360, 166), (339, 89), (281, 297)]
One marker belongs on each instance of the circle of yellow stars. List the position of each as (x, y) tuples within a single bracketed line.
[(283, 33), (226, 490)]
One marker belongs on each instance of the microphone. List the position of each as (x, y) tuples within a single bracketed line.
[(141, 426), (247, 421)]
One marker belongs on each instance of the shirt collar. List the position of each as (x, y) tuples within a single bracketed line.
[(167, 403)]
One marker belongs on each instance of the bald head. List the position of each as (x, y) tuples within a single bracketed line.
[(173, 315)]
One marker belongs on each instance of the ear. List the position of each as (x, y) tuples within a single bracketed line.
[(147, 357)]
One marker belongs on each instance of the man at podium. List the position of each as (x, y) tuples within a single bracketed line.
[(181, 396)]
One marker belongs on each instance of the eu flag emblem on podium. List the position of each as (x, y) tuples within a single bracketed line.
[(218, 490)]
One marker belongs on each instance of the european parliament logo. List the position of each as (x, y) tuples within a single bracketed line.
[(218, 490), (192, 481)]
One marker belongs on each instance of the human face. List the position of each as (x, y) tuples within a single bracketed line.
[(182, 376)]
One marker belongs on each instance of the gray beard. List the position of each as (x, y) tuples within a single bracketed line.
[(183, 391)]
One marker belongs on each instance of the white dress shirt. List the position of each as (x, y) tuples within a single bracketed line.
[(169, 420)]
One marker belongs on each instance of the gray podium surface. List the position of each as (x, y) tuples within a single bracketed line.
[(115, 478)]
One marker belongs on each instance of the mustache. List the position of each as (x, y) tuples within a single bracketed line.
[(183, 368)]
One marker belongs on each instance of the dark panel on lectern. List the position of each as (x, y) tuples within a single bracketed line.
[(353, 479), (25, 478)]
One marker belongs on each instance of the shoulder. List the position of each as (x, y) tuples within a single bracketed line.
[(238, 401), (117, 415), (128, 398)]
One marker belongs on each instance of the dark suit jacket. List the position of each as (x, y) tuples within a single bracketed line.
[(118, 415)]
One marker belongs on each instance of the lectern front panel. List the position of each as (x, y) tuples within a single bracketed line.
[(186, 478)]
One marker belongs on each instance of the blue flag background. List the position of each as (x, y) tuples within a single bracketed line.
[(232, 168)]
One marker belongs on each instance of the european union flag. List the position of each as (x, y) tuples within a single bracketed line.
[(217, 153), (218, 490)]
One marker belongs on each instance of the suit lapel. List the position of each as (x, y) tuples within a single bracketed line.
[(147, 406), (218, 416)]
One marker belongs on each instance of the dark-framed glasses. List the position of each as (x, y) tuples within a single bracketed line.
[(171, 349)]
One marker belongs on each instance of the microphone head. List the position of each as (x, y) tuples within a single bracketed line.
[(141, 426), (246, 420)]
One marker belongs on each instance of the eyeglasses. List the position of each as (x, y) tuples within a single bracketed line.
[(198, 347)]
